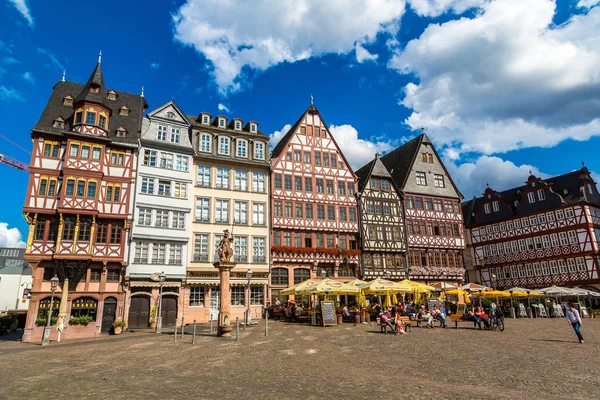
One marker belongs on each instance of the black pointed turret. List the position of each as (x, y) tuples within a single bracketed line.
[(94, 90)]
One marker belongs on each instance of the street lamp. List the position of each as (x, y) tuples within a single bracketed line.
[(387, 274), (161, 279), (314, 313), (53, 286), (249, 276)]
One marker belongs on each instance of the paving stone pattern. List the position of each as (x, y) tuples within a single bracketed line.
[(531, 358)]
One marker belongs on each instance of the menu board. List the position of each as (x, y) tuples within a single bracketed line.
[(328, 313)]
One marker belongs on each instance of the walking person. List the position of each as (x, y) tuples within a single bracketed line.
[(574, 320)]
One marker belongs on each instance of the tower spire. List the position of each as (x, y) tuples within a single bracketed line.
[(63, 77), (142, 91), (312, 100), (100, 57)]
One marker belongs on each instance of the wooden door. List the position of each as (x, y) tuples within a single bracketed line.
[(139, 312), (169, 311), (109, 314)]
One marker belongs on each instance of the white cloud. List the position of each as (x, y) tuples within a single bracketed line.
[(434, 8), (223, 107), (154, 65), (28, 76), (506, 79), (9, 60), (9, 94), (357, 151), (472, 177), (10, 237), (52, 57), (587, 3), (363, 54), (239, 37), (23, 8)]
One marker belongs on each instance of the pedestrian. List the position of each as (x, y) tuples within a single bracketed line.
[(574, 320)]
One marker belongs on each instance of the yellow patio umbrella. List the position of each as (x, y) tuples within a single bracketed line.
[(382, 286), (62, 311), (388, 301), (394, 299), (329, 287), (495, 293), (464, 293), (356, 282), (417, 286), (294, 288)]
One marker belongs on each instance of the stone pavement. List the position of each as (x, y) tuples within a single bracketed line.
[(531, 358)]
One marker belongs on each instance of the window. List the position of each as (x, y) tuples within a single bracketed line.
[(297, 156), (319, 185), (217, 240), (308, 211), (572, 237), (437, 205), (221, 122), (80, 187), (258, 214), (91, 189), (307, 157), (117, 158), (144, 216), (288, 209), (115, 233), (554, 240), (258, 182), (85, 152), (150, 158), (181, 163), (277, 208), (205, 141), (175, 253), (277, 181), (331, 213), (178, 221), (147, 185), (308, 185), (162, 132), (74, 150), (78, 117), (240, 249), (196, 296), (222, 212), (279, 276), (90, 118), (421, 178), (141, 253), (438, 180), (252, 127), (569, 213), (288, 156), (329, 185), (175, 135), (241, 180), (43, 186), (299, 211), (287, 182), (164, 188), (580, 264), (563, 238), (180, 190), (222, 178), (333, 161), (531, 197), (540, 194), (205, 119), (159, 253), (240, 213), (325, 159), (242, 148), (259, 151), (102, 122), (287, 238), (496, 206), (84, 306), (318, 158), (560, 214), (224, 146), (202, 210), (162, 219), (571, 265), (428, 204), (298, 183), (385, 185), (341, 188), (343, 216), (166, 160), (352, 214), (203, 178), (201, 247), (51, 149), (550, 216), (84, 229), (410, 203), (102, 232), (486, 208), (320, 212)]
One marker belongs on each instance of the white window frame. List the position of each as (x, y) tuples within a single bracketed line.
[(258, 214), (205, 143), (531, 197), (581, 265), (223, 178), (162, 133), (161, 219), (180, 190), (182, 163), (486, 208), (540, 195), (203, 177), (438, 180), (144, 217), (496, 206), (221, 211), (148, 183), (202, 206), (259, 180), (240, 212), (175, 135), (572, 237), (241, 148), (200, 246), (421, 178), (224, 143), (259, 150), (240, 180), (178, 220)]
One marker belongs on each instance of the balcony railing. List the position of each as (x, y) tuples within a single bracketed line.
[(175, 262), (143, 260), (240, 259), (201, 257), (158, 261)]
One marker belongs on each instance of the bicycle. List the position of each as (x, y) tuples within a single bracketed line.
[(497, 320)]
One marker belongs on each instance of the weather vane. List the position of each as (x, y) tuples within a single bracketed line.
[(312, 100)]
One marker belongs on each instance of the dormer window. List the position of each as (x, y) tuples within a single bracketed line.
[(540, 194), (124, 110), (253, 128), (171, 115), (531, 197), (121, 132), (90, 118), (237, 125), (221, 122), (486, 208), (112, 95), (58, 123), (205, 119), (67, 100), (94, 89), (78, 117), (496, 206)]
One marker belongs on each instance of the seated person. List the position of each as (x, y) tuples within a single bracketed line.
[(399, 325), (387, 320), (437, 314), (299, 310), (409, 311), (345, 312), (425, 316), (481, 316)]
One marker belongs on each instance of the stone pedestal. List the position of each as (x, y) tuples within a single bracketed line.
[(224, 328)]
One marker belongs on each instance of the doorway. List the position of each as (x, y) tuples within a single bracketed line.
[(215, 293), (109, 314), (139, 312), (169, 310)]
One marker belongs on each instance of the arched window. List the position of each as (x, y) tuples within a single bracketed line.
[(300, 275), (45, 305), (84, 306), (279, 276)]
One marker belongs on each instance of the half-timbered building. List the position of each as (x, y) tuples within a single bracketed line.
[(78, 202), (543, 233), (382, 240), (433, 213), (313, 204), (231, 191), (162, 221)]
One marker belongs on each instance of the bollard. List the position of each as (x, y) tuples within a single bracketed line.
[(266, 324), (211, 328), (175, 335), (237, 329), (182, 327), (245, 319), (194, 333)]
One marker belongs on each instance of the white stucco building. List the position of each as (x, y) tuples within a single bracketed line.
[(15, 278)]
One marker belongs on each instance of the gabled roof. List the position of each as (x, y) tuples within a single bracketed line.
[(170, 103), (96, 79), (373, 168)]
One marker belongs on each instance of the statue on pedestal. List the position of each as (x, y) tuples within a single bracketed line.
[(225, 265)]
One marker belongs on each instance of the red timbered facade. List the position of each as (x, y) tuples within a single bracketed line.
[(543, 233), (382, 241), (434, 223), (313, 206), (78, 201)]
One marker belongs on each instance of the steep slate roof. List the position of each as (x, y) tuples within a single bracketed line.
[(96, 79), (55, 108), (399, 161), (372, 168), (570, 187)]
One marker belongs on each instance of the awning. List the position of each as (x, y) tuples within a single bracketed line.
[(232, 282), (153, 284)]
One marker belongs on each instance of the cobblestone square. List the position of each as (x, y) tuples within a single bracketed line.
[(530, 359)]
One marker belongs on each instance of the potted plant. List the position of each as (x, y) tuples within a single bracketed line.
[(153, 318), (118, 327)]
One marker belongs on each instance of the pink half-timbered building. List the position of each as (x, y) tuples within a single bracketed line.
[(434, 223), (543, 233), (78, 202), (313, 206)]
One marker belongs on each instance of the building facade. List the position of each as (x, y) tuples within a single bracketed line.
[(15, 280), (161, 230), (78, 202), (230, 192), (434, 223), (546, 232), (383, 241), (313, 205)]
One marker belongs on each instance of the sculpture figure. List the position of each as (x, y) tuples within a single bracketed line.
[(225, 249)]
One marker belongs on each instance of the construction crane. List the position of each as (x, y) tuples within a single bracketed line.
[(14, 162)]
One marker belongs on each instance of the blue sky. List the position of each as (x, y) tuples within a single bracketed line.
[(501, 86)]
